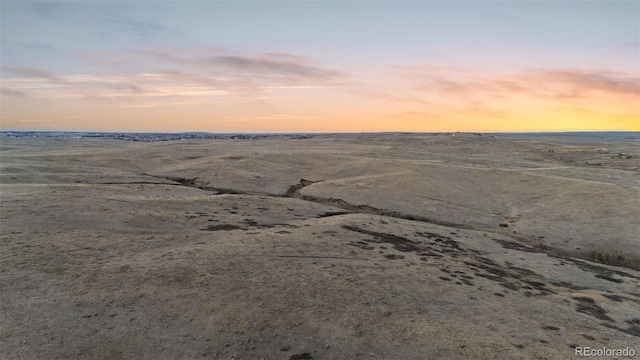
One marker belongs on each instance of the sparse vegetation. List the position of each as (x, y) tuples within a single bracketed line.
[(169, 258), (619, 259)]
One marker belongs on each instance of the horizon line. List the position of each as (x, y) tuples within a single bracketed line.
[(320, 133)]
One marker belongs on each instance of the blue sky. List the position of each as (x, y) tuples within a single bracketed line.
[(264, 66)]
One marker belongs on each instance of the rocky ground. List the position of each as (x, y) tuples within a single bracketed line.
[(333, 247)]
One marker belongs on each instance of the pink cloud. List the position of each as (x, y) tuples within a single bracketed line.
[(594, 80), (535, 82), (177, 76)]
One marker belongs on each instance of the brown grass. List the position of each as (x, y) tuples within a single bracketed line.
[(619, 259)]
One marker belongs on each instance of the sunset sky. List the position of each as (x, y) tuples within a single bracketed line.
[(320, 66)]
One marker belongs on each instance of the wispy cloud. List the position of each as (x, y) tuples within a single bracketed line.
[(31, 45), (274, 67), (13, 93), (176, 77), (34, 120), (31, 72), (466, 93), (105, 18), (119, 22), (380, 93), (549, 83), (444, 111), (48, 8), (593, 80)]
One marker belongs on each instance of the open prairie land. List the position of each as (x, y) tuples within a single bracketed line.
[(374, 246)]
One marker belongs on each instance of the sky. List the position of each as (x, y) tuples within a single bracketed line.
[(320, 66)]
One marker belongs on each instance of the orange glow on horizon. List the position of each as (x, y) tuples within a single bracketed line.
[(568, 101)]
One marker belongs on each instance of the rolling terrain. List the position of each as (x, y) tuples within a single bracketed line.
[(348, 246)]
